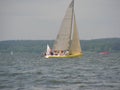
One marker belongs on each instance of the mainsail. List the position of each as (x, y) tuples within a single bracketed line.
[(64, 36)]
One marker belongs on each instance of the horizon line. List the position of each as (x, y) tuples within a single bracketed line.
[(54, 39)]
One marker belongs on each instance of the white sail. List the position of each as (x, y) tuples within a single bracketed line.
[(63, 38), (48, 50)]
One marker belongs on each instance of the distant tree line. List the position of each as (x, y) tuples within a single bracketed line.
[(38, 46), (99, 45)]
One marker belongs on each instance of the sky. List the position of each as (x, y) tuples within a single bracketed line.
[(41, 19)]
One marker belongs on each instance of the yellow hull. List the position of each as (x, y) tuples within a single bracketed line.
[(67, 56)]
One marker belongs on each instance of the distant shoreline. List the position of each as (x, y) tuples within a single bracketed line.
[(95, 45), (54, 39)]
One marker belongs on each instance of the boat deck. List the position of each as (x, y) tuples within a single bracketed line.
[(64, 56)]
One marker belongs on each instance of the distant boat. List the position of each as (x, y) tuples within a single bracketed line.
[(67, 43), (104, 53), (11, 53)]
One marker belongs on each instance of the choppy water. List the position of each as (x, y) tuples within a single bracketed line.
[(30, 71)]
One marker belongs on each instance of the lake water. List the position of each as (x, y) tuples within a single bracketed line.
[(30, 71)]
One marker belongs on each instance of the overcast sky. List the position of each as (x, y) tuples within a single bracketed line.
[(41, 19)]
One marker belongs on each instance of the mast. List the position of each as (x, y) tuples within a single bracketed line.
[(72, 6)]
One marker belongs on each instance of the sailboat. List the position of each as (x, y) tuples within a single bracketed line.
[(67, 43)]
